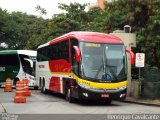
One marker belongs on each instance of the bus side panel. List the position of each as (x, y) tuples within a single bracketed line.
[(55, 84), (43, 72), (59, 69), (74, 88), (59, 66)]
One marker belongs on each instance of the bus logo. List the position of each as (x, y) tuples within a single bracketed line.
[(41, 66), (2, 69)]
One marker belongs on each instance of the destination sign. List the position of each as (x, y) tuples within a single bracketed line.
[(92, 45)]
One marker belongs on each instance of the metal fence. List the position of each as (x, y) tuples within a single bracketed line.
[(150, 82), (151, 74), (150, 90)]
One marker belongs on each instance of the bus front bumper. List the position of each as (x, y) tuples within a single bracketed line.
[(102, 94)]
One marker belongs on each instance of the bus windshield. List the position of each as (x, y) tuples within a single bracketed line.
[(26, 65), (103, 62)]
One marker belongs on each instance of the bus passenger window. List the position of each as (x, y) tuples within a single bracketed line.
[(75, 67)]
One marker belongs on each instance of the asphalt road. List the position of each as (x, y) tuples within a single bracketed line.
[(40, 103)]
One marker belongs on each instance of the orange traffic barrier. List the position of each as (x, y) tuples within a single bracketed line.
[(20, 97), (8, 86), (26, 88)]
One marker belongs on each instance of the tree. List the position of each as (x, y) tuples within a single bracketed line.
[(41, 10), (18, 30), (22, 31), (3, 18), (37, 33), (74, 18), (144, 18)]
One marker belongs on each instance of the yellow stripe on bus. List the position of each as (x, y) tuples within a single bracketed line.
[(62, 73), (100, 85), (94, 84)]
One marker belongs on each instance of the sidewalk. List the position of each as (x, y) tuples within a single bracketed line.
[(143, 101)]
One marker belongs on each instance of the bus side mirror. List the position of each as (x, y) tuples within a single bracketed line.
[(132, 56), (78, 54), (30, 62)]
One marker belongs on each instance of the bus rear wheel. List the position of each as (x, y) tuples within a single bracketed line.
[(43, 89), (69, 98)]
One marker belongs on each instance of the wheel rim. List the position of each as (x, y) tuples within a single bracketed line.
[(68, 94), (44, 89)]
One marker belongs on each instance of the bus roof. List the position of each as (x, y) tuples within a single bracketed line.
[(24, 52), (86, 36)]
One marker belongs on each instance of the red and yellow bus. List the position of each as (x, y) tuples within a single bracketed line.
[(84, 65)]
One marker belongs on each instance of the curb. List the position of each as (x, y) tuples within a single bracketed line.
[(141, 103)]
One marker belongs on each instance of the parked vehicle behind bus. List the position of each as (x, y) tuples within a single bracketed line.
[(84, 65), (17, 65)]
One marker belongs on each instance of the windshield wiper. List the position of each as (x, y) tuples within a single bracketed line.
[(113, 73), (99, 70), (109, 67), (103, 65), (82, 69)]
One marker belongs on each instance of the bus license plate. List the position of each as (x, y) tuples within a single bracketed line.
[(105, 95)]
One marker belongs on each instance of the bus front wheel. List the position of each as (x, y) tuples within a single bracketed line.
[(69, 98)]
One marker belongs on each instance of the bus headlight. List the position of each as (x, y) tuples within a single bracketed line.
[(85, 94), (122, 95), (123, 87), (84, 86)]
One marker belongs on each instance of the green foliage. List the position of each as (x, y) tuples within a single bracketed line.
[(144, 18), (18, 30), (41, 10), (74, 18), (21, 31)]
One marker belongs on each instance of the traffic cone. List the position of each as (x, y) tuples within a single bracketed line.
[(26, 88), (8, 86), (20, 97)]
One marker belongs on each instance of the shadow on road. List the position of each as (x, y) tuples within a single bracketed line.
[(52, 97), (82, 102)]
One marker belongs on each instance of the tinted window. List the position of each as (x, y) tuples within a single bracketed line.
[(9, 60), (42, 54), (54, 52)]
